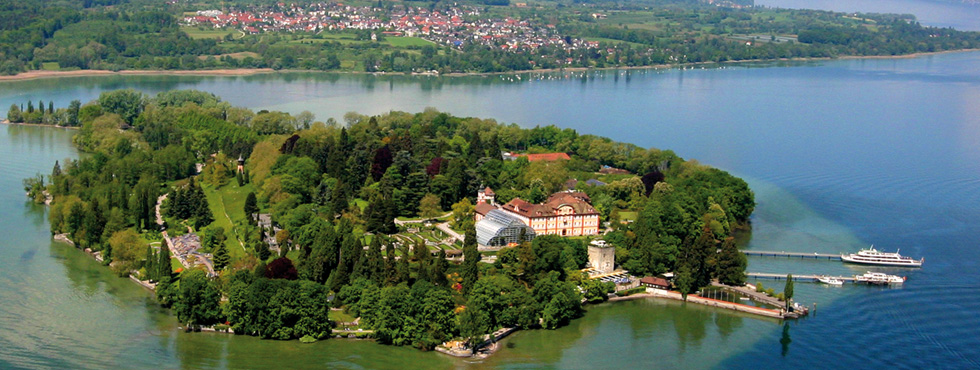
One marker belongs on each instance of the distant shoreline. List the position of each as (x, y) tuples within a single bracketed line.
[(32, 75)]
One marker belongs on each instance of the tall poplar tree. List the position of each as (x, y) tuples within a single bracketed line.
[(788, 290), (375, 263), (391, 273), (164, 270), (438, 269), (149, 264), (470, 258)]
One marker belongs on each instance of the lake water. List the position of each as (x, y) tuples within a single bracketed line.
[(841, 154)]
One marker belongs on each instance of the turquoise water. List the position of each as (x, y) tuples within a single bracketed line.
[(841, 154)]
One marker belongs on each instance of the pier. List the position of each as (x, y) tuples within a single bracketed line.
[(793, 255), (804, 278)]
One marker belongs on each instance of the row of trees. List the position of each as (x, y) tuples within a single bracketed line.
[(65, 117)]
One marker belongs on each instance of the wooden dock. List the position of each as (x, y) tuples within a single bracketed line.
[(793, 255), (802, 278)]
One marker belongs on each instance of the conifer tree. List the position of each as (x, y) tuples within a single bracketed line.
[(164, 270), (470, 258), (731, 264), (423, 258), (338, 198), (361, 267), (251, 206), (375, 261), (221, 257), (438, 270), (375, 216), (788, 290), (148, 264), (402, 267), (348, 256), (261, 250), (391, 273)]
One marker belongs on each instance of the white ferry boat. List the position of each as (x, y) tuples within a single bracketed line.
[(879, 278), (871, 256), (830, 280)]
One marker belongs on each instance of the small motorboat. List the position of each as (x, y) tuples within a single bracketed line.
[(830, 280)]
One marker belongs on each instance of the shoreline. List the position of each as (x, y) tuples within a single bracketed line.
[(33, 75), (7, 122)]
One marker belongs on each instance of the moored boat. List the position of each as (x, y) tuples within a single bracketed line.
[(879, 278), (871, 256), (830, 280)]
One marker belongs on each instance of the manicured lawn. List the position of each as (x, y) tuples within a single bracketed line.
[(343, 38), (628, 215), (233, 197), (341, 316), (407, 41), (50, 66), (613, 41), (228, 201), (195, 33), (293, 255), (175, 264)]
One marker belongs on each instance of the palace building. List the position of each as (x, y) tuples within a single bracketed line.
[(568, 213)]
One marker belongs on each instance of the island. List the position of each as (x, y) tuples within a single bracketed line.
[(74, 37), (384, 227)]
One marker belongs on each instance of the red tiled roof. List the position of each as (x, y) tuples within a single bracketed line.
[(547, 157), (579, 202), (650, 280), (483, 208)]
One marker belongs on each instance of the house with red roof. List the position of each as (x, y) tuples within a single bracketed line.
[(548, 157)]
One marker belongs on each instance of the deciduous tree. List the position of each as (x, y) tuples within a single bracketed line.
[(429, 207)]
